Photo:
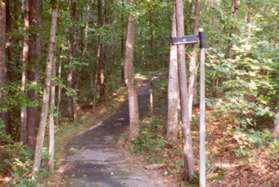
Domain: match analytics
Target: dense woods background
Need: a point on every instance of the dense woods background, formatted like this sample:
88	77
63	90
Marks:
82	64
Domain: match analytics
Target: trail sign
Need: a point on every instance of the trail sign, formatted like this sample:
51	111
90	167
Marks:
188	39
193	39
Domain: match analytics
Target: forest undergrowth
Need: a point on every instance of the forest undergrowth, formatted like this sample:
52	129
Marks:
235	156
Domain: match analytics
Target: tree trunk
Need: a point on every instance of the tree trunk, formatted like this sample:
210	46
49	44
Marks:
173	90
193	60
59	89
129	76
3	66
25	51
73	46
187	149
234	8
8	62
51	121
34	57
46	94
276	126
100	56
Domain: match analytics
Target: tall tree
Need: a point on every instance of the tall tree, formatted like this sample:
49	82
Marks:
51	121
25	51
32	75
187	148
73	49
46	95
100	54
3	66
234	8
173	90
129	79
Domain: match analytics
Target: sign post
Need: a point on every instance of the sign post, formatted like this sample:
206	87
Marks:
202	111
188	40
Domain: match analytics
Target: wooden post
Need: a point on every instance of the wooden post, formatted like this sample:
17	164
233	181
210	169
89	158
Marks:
202	111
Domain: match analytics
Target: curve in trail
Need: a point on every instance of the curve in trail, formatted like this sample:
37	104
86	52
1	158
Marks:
95	159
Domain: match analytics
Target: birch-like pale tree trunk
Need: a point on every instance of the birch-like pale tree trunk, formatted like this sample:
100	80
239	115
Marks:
46	94
51	121
183	88
59	91
129	79
173	90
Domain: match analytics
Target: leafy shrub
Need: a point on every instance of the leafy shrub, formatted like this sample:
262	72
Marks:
149	139
250	139
4	137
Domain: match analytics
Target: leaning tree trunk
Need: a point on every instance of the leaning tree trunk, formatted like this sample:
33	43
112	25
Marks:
173	90
187	148
193	60
46	94
129	78
3	67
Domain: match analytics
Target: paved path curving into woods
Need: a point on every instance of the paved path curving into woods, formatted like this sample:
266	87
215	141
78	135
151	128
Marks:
94	158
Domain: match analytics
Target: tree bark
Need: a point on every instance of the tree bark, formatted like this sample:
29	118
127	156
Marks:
73	46
51	121
173	90
25	51
34	58
129	76
3	66
234	8
187	149
9	76
46	94
276	126
100	57
59	88
193	60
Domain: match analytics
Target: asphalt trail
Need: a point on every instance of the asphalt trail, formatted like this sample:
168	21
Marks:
94	159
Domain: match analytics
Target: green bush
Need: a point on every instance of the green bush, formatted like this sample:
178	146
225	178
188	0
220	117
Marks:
150	138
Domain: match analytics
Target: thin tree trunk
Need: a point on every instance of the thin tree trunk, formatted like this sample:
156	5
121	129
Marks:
59	90
73	46
187	149
34	57
51	121
234	8
46	94
25	51
100	56
276	124
3	66
129	76
8	61
173	90
193	60
122	44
